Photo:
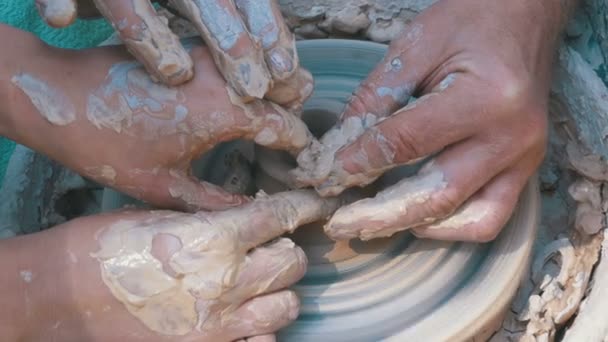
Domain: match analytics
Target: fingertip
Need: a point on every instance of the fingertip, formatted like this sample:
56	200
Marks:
281	129
269	313
148	37
57	13
292	92
175	71
281	63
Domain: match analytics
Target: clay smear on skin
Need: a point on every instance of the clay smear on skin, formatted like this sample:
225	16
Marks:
170	296
245	73
260	20
316	162
26	275
263	25
178	272
155	43
399	94
394	64
50	102
447	82
223	25
129	96
471	213
104	172
294	132
375	217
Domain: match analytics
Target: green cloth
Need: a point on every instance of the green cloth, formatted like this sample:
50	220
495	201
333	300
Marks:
23	14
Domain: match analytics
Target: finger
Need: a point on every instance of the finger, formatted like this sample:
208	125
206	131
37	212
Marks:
179	191
264	122
435	192
269	217
392	82
421	128
148	37
292	92
269	268
482	217
264	315
57	13
237	55
265	22
262	338
276	128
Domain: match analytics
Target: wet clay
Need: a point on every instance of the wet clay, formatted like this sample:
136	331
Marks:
293	131
470	213
240	62
317	161
162	292
153	43
129	97
105	173
178	272
57	13
292	85
367	218
50	102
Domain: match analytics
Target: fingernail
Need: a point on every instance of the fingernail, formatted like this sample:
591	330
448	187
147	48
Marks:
294	305
280	62
57	13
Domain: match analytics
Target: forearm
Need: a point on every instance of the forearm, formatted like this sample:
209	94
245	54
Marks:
36	283
52	286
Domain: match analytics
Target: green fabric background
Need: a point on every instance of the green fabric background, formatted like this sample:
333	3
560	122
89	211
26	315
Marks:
82	34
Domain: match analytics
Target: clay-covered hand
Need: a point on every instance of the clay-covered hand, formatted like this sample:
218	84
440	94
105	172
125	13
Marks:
113	124
250	42
481	74
162	275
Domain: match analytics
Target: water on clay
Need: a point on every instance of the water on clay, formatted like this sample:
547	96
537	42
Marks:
396	289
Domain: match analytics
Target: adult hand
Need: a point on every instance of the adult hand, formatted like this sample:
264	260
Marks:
161	275
250	43
481	72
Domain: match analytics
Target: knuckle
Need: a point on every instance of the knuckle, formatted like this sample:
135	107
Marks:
487	232
531	131
403	142
510	88
445	202
363	100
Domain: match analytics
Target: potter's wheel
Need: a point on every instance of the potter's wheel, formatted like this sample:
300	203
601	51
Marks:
397	289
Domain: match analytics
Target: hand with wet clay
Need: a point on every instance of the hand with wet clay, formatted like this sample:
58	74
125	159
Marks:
248	39
480	72
99	113
160	275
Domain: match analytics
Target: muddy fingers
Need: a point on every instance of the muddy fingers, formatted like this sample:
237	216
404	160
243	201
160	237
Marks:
149	39
237	55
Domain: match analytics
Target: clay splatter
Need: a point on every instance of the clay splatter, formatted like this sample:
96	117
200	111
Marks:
51	103
26	275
